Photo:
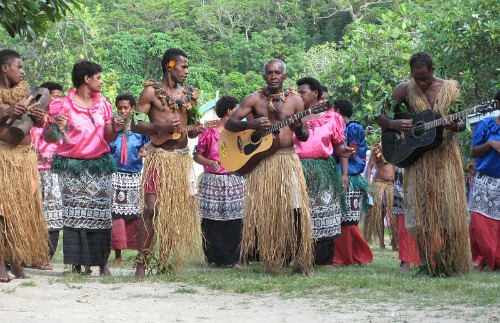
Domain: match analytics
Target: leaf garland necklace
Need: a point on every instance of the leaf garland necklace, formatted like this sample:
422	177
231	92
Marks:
14	95
189	93
281	96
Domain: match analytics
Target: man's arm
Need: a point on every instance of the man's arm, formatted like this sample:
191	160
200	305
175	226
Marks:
143	108
234	122
398	96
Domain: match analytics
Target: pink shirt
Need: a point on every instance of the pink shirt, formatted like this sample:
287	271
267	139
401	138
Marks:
85	134
208	147
324	133
44	150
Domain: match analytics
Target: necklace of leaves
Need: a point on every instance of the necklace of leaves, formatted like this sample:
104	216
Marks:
281	96
183	102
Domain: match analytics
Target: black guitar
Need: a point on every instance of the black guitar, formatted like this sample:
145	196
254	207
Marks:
404	148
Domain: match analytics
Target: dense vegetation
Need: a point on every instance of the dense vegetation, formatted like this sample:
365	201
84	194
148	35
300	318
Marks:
359	49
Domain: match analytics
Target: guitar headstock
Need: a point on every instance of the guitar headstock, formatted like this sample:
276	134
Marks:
487	107
211	124
320	107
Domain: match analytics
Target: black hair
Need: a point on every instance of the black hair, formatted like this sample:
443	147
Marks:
324	88
171	54
82	69
497	96
421	59
313	83
224	104
125	97
7	55
344	107
51	86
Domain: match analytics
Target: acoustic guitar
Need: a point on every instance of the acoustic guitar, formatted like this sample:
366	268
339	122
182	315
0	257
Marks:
160	139
241	151
405	148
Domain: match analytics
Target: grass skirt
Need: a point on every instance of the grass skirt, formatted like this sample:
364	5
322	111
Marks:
272	222
23	230
435	194
176	218
373	226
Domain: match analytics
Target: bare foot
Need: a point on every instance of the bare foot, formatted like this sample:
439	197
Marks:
140	270
481	266
301	270
88	271
18	271
404	266
362	264
117	260
44	266
237	266
104	270
76	269
4	275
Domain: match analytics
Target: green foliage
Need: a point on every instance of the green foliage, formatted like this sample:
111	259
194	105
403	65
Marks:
30	18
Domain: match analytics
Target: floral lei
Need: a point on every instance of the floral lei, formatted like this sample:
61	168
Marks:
281	96
190	93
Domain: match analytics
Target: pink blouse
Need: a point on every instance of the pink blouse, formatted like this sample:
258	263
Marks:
208	147
44	150
324	133
84	138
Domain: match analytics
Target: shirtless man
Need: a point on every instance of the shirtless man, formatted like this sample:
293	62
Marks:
436	207
383	186
276	217
21	239
170	209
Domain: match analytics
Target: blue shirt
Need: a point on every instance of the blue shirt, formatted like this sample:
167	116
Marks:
135	142
486	130
354	133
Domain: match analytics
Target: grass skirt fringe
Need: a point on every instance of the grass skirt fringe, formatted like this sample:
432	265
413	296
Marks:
373	225
176	218
23	231
438	195
271	223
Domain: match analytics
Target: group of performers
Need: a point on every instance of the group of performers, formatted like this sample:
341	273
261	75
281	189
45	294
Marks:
301	203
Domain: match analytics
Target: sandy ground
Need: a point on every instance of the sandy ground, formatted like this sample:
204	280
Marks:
42	299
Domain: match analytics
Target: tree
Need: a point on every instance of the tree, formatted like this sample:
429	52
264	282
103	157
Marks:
31	18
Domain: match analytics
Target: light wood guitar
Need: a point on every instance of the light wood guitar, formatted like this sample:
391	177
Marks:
241	151
160	139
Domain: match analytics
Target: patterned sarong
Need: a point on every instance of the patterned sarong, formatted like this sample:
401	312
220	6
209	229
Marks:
51	199
126	195
356	200
484	198
221	196
324	186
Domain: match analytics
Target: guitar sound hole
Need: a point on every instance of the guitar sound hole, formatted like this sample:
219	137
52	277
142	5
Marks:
255	137
418	130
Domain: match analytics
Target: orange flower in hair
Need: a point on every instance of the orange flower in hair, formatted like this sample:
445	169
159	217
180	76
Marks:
171	63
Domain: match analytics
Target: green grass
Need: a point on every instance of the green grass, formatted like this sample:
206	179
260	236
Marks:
380	280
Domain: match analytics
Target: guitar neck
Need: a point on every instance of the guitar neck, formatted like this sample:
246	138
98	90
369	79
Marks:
285	122
456	116
208	124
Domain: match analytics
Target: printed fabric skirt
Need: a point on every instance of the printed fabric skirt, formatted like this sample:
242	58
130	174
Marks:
87	217
126	209
222	198
51	199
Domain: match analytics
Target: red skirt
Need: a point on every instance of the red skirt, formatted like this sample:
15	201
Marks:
408	248
484	235
351	248
124	234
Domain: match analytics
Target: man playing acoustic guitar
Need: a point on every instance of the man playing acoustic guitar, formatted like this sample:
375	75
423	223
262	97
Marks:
434	185
170	209
276	218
